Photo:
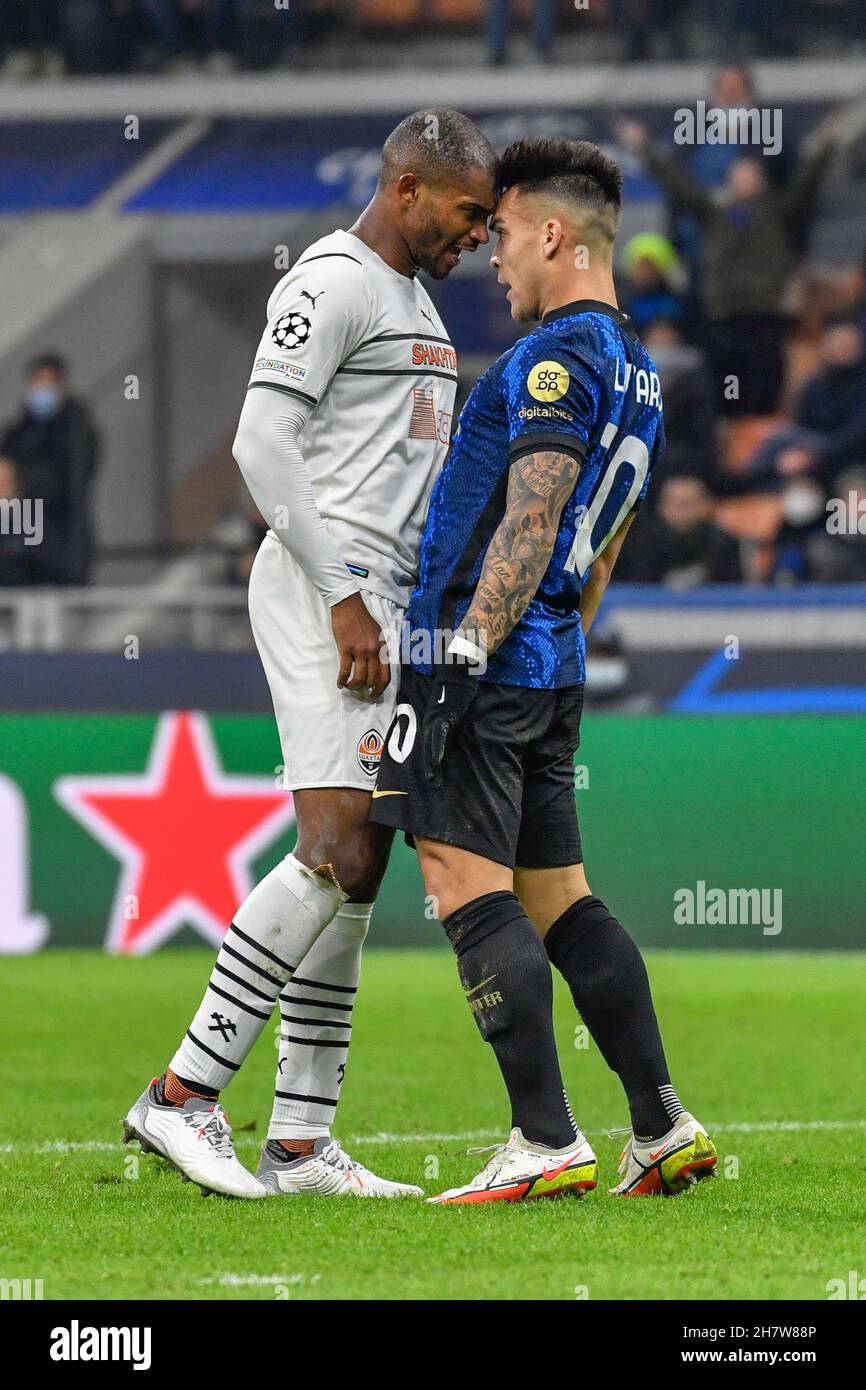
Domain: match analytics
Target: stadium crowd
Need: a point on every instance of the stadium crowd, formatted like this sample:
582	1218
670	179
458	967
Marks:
762	361
762	365
76	36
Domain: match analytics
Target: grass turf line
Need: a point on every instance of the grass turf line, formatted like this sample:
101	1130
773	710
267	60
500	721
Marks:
750	1039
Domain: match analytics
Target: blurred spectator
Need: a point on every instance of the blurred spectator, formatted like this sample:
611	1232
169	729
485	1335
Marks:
544	20
181	28
50	37
744	27
687	392
751	235
679	544
803	517
655	280
55	450
836	552
732	90
28	34
857	292
18	560
641	21
828	430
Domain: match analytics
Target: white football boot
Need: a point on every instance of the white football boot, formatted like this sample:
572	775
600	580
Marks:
667	1166
520	1171
329	1172
196	1139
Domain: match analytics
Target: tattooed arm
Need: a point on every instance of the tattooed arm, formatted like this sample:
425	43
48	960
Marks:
539	485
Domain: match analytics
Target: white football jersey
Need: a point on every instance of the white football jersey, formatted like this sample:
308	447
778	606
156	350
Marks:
366	347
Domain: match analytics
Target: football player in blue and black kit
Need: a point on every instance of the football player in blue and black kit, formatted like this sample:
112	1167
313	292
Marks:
551	459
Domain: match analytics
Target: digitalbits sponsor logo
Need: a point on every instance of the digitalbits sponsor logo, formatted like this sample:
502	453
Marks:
370	747
548	381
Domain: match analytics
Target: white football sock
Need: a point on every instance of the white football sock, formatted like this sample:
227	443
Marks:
273	930
316	1011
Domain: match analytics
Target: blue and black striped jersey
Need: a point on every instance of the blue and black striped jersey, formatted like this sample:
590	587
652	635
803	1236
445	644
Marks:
580	383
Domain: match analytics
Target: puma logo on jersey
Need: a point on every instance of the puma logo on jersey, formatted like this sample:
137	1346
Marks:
426	316
305	294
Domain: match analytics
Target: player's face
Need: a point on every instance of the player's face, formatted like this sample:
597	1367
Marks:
517	258
448	220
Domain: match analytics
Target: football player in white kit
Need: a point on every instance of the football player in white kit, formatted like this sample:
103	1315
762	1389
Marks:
345	427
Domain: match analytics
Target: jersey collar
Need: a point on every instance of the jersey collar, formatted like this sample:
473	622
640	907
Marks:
592	306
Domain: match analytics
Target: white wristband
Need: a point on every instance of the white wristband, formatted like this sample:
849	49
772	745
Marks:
461	646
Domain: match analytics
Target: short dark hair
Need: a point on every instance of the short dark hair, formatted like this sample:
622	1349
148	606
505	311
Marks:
575	171
436	144
47	361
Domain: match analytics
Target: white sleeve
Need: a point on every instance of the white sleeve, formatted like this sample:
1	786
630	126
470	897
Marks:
269	456
317	316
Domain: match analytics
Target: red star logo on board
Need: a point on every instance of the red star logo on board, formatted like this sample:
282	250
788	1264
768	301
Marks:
184	831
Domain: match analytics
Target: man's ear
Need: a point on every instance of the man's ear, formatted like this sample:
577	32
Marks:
408	189
553	235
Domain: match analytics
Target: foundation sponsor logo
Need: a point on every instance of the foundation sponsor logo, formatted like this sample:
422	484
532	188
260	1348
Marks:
286	369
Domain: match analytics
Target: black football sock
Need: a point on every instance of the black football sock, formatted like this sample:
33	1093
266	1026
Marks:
608	981
506	978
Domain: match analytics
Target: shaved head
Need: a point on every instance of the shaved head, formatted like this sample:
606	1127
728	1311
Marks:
438	146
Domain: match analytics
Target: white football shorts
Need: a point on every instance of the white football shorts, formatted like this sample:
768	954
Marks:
329	737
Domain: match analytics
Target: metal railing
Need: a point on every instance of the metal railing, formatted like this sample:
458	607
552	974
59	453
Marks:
198	617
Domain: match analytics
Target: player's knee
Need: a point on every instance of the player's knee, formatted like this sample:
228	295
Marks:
357	861
442	893
452	878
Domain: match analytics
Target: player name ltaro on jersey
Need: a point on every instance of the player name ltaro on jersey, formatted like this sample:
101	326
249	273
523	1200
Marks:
644	383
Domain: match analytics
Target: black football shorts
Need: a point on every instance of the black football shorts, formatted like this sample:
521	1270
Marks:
508	774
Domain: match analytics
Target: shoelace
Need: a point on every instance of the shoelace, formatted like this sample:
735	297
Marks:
626	1153
497	1157
335	1155
216	1130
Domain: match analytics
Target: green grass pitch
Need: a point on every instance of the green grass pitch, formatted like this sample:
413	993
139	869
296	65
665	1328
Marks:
752	1041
